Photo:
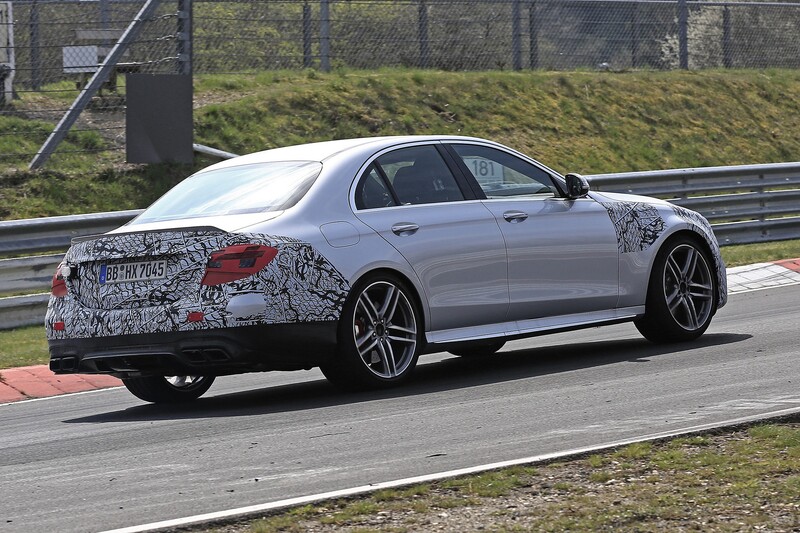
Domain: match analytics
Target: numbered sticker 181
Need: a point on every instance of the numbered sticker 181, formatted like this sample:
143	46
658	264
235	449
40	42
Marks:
485	170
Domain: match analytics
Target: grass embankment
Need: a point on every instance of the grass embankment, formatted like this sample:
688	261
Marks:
746	480
588	122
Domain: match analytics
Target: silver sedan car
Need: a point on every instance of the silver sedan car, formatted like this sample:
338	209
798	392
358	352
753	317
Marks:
359	255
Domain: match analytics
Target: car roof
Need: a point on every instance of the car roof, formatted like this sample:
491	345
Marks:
320	151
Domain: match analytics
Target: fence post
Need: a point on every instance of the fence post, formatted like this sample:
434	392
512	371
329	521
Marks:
424	43
727	53
634	43
516	37
683	34
185	37
306	35
36	67
533	31
86	94
324	36
105	19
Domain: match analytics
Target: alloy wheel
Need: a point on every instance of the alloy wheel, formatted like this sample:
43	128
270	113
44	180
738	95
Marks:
688	287
385	329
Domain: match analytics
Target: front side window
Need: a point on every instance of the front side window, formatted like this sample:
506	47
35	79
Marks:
254	188
501	175
419	175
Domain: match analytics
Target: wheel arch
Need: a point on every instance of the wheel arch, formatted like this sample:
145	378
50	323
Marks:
410	285
693	234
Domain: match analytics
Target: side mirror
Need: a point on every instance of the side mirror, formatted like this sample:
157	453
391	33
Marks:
577	186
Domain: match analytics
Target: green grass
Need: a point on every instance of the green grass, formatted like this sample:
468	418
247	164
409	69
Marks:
707	482
747	254
587	122
743	480
23	347
579	121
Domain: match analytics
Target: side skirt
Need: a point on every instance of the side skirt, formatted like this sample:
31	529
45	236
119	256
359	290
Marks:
539	326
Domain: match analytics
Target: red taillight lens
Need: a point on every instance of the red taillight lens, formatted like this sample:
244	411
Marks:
59	286
237	262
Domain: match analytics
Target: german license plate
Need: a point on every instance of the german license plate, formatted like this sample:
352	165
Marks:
125	272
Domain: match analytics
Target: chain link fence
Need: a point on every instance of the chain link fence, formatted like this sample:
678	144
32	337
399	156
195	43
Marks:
59	44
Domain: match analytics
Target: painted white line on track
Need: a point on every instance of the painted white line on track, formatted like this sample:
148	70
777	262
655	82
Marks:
777	286
56	396
252	510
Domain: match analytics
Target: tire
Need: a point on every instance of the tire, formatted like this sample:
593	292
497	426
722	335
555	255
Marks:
168	389
478	350
380	336
681	295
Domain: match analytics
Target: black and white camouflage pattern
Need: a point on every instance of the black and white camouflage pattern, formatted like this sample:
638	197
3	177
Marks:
638	225
700	225
298	285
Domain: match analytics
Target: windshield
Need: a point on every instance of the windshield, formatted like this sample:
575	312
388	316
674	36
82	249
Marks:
254	188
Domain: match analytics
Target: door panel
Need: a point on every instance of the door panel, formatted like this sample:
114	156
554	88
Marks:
457	251
562	256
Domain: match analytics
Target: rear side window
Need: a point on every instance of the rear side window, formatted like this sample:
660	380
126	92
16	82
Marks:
408	176
254	188
373	191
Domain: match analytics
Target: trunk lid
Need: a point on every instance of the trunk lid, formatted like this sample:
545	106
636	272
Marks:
144	269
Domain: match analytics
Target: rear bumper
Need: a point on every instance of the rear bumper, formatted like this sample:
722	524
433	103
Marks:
205	352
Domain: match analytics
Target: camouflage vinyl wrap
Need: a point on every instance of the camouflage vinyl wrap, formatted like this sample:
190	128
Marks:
638	225
700	225
298	285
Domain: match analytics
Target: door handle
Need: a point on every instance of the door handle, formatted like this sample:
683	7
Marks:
515	216
404	229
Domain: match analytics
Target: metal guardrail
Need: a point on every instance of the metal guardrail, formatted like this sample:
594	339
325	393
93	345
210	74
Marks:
745	204
18	311
35	273
52	234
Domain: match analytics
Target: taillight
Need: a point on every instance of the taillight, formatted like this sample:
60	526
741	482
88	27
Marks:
59	286
237	262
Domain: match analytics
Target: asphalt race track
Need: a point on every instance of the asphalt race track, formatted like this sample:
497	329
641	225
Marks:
105	460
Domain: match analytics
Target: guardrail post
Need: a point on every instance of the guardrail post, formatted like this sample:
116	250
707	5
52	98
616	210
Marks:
685	182
761	217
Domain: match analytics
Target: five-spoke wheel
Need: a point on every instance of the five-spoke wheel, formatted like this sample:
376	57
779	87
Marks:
681	298
379	335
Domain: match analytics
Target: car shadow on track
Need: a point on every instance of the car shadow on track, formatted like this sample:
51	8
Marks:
448	374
